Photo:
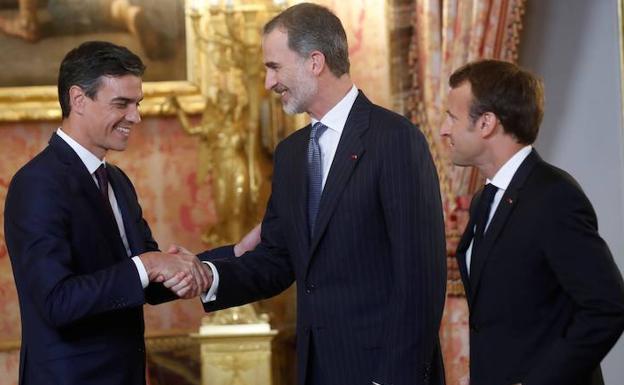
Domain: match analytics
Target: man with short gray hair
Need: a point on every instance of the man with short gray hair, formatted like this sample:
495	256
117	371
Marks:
355	217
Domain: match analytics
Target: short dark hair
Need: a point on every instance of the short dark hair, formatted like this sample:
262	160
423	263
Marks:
513	94
311	27
85	65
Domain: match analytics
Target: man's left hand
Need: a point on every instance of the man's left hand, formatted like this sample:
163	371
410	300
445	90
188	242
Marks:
249	241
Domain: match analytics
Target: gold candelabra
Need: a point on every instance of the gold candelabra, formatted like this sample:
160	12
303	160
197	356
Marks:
239	123
237	133
240	126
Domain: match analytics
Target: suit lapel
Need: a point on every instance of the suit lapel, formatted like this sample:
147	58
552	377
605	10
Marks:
122	195
300	186
463	245
297	197
90	190
348	153
506	206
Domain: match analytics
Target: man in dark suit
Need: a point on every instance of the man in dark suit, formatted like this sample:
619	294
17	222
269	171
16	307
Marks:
354	218
546	299
83	257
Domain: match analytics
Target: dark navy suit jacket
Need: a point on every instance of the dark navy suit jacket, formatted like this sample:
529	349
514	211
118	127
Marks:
80	295
371	282
546	299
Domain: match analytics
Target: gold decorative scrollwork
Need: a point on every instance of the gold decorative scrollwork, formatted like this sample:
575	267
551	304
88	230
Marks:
240	124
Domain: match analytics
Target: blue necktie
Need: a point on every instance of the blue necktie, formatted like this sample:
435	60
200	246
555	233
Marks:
315	174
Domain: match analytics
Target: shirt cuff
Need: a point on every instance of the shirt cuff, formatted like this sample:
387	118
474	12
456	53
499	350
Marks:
211	295
142	272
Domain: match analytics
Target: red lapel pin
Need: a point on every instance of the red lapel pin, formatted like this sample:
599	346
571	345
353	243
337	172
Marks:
354	156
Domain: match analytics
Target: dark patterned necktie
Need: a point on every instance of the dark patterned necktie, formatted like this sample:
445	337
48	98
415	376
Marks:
483	213
102	178
315	174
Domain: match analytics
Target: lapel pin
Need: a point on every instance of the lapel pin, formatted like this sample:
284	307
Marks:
510	201
354	156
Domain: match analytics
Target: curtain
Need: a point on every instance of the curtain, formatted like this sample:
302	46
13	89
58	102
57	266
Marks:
447	34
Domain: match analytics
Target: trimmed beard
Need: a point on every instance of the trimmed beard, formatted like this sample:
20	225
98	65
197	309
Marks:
301	95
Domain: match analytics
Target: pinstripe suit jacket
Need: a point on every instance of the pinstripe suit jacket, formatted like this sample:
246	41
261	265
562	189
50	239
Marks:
371	282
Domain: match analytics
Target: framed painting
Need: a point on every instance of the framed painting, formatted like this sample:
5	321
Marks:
36	34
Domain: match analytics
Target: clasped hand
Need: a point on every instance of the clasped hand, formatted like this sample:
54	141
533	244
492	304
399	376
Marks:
183	273
179	270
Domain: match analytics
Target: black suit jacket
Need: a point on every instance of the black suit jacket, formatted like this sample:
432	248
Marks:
371	282
80	295
546	299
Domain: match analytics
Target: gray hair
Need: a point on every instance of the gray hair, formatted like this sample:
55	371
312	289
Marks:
311	27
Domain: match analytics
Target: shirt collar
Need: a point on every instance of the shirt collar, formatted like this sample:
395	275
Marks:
336	118
90	161
502	178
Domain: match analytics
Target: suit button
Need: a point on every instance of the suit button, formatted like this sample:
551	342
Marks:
308	291
309	288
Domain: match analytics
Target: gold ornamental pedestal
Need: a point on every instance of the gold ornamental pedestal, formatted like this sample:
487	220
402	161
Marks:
236	354
240	126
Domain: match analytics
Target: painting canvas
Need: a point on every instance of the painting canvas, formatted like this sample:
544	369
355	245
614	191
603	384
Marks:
36	34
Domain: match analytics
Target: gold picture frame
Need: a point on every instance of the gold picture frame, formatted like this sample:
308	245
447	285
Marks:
40	102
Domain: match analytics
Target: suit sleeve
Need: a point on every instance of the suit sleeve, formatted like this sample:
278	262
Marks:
260	273
217	253
37	224
411	202
155	293
584	267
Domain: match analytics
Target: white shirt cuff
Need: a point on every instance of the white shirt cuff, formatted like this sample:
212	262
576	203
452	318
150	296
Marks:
211	295
142	272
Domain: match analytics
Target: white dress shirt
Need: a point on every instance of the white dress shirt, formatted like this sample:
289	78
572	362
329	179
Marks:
501	179
335	120
92	163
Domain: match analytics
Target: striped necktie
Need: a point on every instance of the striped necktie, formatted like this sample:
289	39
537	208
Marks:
315	174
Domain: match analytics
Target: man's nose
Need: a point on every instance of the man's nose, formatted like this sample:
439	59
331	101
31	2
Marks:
133	115
269	79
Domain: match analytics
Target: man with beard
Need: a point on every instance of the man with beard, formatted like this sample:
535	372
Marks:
546	299
83	257
354	217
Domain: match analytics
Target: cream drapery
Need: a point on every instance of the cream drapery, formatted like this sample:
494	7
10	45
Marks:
446	35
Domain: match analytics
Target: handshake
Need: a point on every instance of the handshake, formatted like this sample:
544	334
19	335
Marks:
179	270
182	272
